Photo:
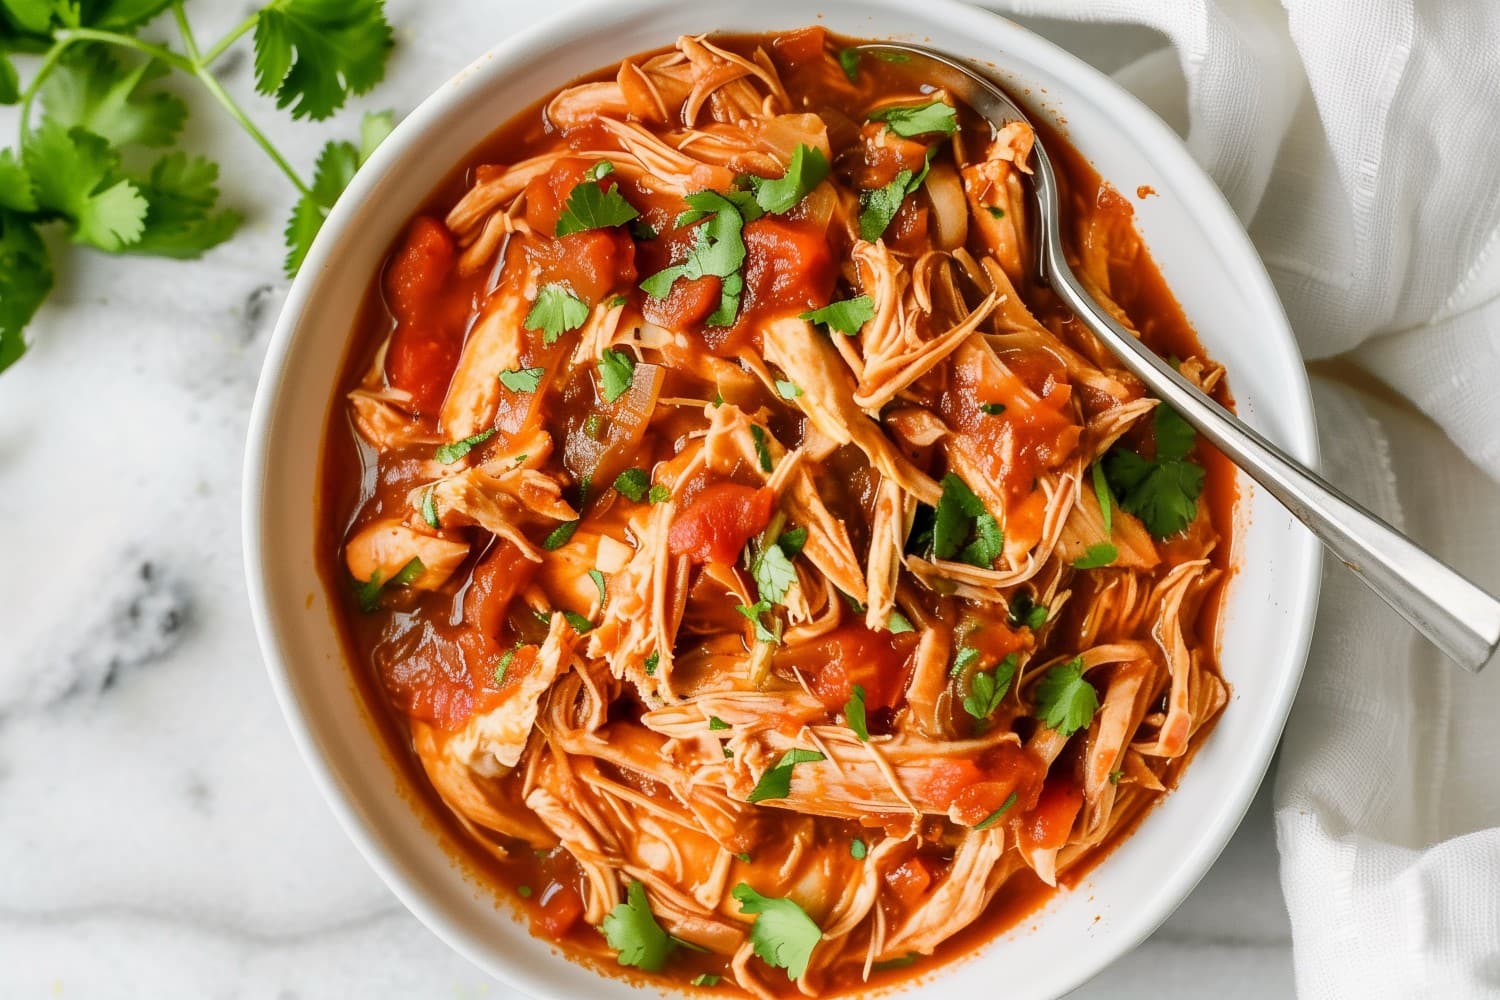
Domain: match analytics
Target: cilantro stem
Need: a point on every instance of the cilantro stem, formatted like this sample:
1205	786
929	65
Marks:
174	59
211	83
186	31
48	61
223	44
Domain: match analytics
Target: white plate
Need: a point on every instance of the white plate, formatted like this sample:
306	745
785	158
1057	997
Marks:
1208	262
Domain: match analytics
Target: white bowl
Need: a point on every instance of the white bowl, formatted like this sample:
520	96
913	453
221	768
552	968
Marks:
1208	262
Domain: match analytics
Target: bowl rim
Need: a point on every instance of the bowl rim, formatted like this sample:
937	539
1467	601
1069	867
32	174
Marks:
1186	177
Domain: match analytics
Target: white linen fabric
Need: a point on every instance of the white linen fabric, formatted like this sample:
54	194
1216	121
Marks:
1355	138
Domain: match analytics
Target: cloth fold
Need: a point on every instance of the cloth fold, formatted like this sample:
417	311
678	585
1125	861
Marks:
1355	140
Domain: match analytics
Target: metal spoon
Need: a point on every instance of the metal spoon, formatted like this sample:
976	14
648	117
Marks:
1458	617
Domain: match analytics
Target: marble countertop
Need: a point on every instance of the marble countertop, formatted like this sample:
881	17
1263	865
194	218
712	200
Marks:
160	837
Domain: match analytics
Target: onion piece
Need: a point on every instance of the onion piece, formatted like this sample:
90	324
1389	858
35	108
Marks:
950	212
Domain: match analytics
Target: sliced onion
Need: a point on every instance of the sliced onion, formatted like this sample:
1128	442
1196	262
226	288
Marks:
950	212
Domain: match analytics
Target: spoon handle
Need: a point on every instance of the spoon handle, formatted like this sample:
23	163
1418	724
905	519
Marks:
1457	616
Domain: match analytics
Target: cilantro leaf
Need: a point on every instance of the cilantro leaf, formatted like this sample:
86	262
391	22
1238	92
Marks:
25	280
180	194
599	171
1065	700
75	175
429	509
762	448
1025	611
89	89
17	193
752	613
849	63
718	249
854	711
522	379
896	623
792	540
773	573
716	724
598	579
705	979
788	389
336	167
651	663
368	592
10	82
455	450
961	660
580	624
963	528
994	817
1102	494
659	494
312	54
631	929
555	312
988	688
776	782
590	206
879	207
1163	492
617	372
918	119
560	536
858	850
806	171
1097	555
783	935
503	664
847	317
992	409
632	484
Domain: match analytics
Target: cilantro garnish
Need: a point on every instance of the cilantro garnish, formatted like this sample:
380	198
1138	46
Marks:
857	849
560	536
555	312
762	449
659	494
1025	611
918	119
1105	498
616	372
992	409
580	624
590	206
854	712
716	724
988	688
961	660
367	592
753	613
599	171
909	959
773	573
1163	491
788	389
897	623
632	484
776	782
598	579
792	540
652	662
963	528
335	168
994	817
455	450
783	935
849	63
1065	700
631	929
881	205
806	171
1097	555
429	509
996	211
522	379
847	317
705	979
503	664
718	249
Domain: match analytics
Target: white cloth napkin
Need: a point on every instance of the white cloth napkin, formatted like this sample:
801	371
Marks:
1356	139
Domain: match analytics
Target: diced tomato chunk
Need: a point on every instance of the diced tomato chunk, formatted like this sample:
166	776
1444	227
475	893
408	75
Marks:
852	654
690	302
788	266
498	578
418	270
909	881
716	524
559	909
801	45
425	673
428	339
945	779
592	264
1047	825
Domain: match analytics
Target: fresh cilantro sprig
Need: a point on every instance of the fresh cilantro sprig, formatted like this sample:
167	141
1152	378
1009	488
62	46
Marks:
1162	491
879	207
783	935
632	930
718	249
1065	700
776	782
913	120
86	165
988	687
847	317
806	171
963	528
